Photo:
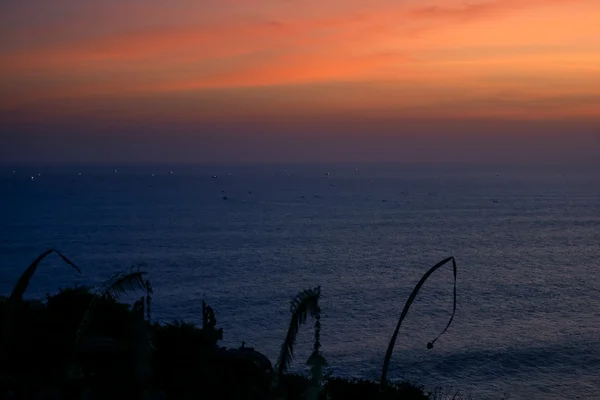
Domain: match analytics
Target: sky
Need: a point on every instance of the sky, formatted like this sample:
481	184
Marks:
299	81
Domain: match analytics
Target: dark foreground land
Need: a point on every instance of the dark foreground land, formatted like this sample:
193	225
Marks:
86	344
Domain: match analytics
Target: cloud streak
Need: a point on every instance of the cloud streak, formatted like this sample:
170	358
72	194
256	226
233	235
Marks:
380	48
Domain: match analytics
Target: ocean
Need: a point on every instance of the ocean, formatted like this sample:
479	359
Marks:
248	238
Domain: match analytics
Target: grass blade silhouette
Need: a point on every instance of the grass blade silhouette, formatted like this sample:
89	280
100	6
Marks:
23	283
411	298
19	290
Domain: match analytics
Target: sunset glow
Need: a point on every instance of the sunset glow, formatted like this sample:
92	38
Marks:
197	60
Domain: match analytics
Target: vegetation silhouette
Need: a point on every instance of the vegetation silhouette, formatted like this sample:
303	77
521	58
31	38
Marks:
305	303
85	343
411	298
16	296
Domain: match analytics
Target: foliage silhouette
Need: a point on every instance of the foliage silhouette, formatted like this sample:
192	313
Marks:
305	303
118	285
16	296
83	342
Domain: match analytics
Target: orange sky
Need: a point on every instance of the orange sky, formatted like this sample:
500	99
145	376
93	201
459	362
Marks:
192	60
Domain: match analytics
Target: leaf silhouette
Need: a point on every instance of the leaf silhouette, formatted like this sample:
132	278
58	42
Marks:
125	283
411	298
23	282
120	284
19	290
305	303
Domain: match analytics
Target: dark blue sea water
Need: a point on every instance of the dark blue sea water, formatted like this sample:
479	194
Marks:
527	243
